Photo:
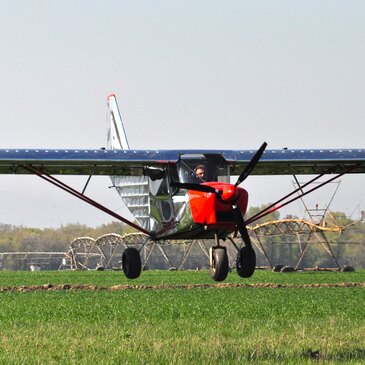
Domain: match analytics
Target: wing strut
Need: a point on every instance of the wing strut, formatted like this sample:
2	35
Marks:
79	195
274	207
87	183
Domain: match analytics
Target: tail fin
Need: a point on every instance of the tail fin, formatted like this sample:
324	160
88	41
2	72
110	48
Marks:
132	189
117	138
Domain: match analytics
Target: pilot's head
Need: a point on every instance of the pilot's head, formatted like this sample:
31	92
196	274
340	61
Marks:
200	172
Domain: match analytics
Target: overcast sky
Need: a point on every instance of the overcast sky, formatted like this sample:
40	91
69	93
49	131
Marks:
187	74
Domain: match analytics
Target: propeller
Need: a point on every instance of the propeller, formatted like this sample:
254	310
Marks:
241	226
251	165
196	187
237	215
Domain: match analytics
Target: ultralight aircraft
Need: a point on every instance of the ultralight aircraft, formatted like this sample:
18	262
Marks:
183	194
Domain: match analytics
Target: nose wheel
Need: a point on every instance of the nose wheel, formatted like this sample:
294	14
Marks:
219	266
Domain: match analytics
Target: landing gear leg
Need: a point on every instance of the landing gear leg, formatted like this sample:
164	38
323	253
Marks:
219	266
131	263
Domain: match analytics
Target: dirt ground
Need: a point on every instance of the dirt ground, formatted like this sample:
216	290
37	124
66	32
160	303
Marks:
73	287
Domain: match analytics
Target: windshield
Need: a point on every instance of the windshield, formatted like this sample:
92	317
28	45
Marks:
200	171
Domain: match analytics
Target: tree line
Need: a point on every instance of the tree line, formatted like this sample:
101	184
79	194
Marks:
347	246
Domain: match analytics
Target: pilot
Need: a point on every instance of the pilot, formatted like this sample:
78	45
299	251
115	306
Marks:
200	173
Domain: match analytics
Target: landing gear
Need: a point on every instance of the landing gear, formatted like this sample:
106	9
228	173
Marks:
219	264
131	263
246	262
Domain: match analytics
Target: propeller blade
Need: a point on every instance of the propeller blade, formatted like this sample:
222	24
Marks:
251	165
196	187
241	225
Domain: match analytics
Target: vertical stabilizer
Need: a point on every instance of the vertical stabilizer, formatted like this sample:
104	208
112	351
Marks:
132	189
117	138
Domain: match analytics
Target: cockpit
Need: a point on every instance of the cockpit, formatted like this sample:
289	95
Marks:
199	169
196	169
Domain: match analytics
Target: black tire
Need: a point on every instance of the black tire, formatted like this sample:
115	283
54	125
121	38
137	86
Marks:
220	267
131	263
246	262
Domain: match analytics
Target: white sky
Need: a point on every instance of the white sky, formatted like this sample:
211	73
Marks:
202	74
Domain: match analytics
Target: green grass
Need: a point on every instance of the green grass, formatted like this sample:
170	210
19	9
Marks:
182	326
109	278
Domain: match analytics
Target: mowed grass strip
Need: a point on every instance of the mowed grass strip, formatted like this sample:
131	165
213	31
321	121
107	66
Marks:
182	326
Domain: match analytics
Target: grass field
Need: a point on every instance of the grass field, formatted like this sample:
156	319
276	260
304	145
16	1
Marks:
220	325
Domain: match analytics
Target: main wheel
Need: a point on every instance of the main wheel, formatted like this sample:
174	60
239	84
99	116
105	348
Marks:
219	269
131	263
246	262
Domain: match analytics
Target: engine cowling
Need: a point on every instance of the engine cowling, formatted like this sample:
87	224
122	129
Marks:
211	208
